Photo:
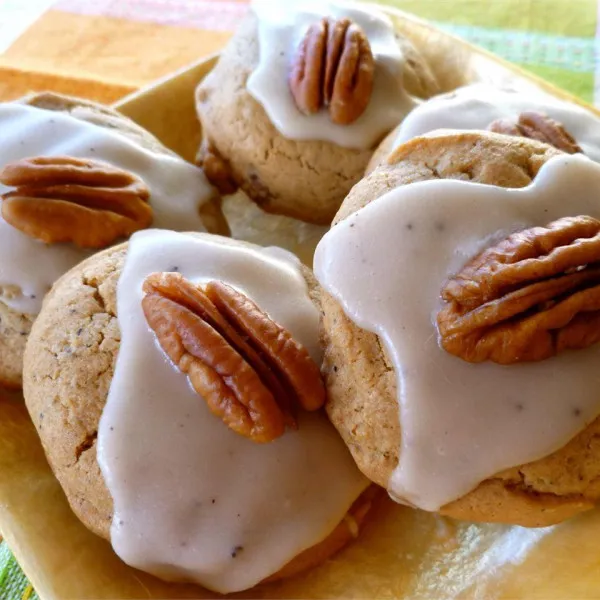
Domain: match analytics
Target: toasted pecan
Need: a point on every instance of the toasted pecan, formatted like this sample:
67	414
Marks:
333	67
538	126
533	295
250	371
65	199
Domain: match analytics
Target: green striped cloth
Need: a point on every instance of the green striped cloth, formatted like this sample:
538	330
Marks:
13	584
556	39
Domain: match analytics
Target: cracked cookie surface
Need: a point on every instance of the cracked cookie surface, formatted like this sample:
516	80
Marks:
361	380
69	367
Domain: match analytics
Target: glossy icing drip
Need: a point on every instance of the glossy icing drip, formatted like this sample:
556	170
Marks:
476	106
281	27
28	267
192	499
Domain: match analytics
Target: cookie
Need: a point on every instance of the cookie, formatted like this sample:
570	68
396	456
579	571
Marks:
32	256
256	138
77	366
14	329
532	113
426	185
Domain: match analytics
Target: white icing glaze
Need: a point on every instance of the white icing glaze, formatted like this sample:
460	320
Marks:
476	106
281	27
177	190
165	457
461	422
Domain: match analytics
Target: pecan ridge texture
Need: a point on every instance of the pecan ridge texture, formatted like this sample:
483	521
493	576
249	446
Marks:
333	67
533	295
249	370
65	199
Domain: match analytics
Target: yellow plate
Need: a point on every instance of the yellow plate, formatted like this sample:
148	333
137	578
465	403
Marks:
403	553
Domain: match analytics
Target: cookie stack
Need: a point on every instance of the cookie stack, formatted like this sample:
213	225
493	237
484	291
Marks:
225	416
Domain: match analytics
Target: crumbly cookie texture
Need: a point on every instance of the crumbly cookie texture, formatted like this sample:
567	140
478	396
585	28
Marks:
382	151
361	380
15	326
418	77
69	365
303	179
14	329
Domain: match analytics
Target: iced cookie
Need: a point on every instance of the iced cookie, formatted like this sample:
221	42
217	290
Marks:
462	315
300	98
189	363
76	177
532	114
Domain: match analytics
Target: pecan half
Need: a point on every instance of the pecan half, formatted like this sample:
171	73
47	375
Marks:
65	199
532	296
540	127
333	67
249	370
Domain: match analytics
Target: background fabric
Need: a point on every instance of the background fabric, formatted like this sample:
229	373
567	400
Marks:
13	584
104	49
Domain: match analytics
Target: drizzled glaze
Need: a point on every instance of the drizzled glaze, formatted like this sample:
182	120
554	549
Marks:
476	106
28	267
461	422
281	27
192	499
